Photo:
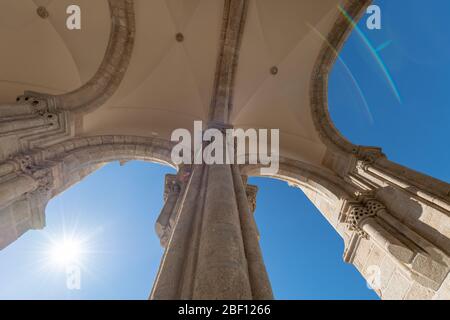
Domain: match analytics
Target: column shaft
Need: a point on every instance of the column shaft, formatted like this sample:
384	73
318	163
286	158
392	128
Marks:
386	241
15	188
213	252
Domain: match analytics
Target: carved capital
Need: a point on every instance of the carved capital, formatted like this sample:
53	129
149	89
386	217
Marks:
362	165
367	207
171	186
251	192
184	173
374	206
356	215
44	178
26	165
368	155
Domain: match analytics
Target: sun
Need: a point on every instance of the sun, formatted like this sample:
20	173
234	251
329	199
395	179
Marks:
66	252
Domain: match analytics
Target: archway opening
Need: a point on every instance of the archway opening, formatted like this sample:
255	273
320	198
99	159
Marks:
388	88
302	251
111	216
113	212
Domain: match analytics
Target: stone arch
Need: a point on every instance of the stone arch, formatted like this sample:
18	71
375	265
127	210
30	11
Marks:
106	80
389	244
74	163
328	133
40	120
28	183
341	152
416	206
328	192
111	71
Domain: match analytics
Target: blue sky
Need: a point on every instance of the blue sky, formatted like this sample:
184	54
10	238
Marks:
115	208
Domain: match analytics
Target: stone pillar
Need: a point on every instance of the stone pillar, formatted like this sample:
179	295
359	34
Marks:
213	252
365	222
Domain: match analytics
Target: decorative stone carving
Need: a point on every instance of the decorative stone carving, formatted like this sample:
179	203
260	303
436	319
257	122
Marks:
45	180
171	186
373	206
25	163
357	214
368	207
368	154
27	166
166	220
251	192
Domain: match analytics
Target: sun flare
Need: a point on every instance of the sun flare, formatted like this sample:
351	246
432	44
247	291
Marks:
65	252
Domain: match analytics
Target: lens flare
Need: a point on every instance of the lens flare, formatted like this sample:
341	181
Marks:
374	53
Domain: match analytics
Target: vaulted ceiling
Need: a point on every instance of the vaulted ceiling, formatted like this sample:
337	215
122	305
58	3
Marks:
42	54
169	84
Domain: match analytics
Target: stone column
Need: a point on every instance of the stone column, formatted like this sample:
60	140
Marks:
25	214
213	252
